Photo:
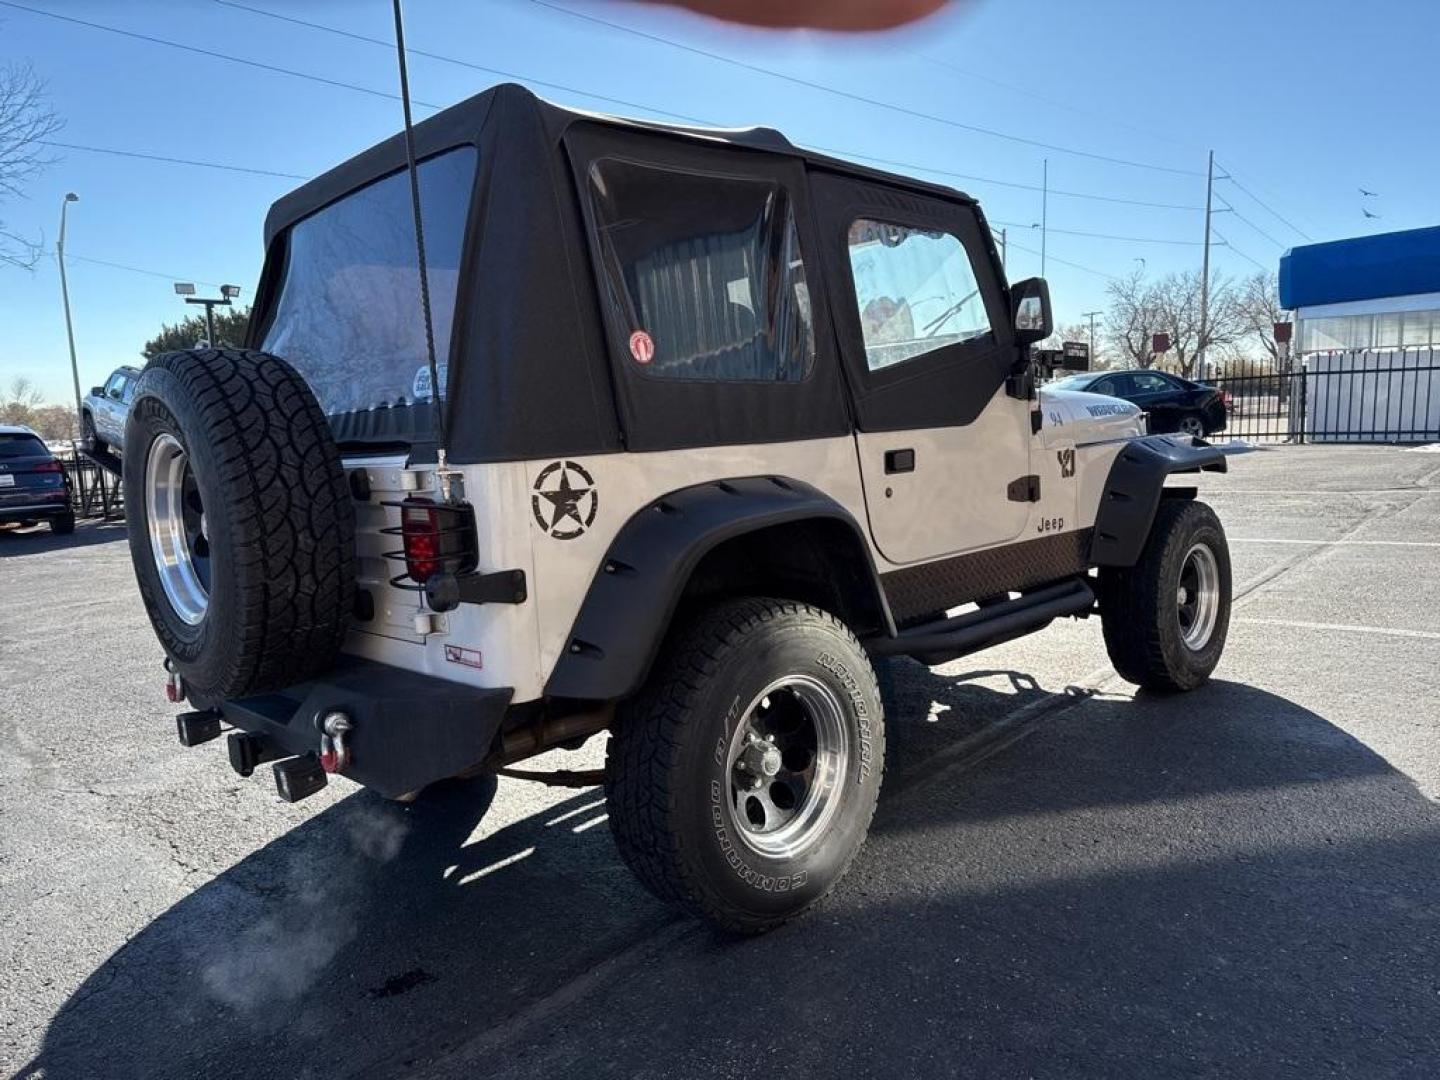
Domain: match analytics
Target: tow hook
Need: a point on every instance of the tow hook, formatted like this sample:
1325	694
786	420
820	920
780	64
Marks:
174	684
334	750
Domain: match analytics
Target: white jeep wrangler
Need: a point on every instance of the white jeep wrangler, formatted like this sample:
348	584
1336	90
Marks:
720	423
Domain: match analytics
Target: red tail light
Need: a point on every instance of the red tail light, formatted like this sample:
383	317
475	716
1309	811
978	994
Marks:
49	466
420	530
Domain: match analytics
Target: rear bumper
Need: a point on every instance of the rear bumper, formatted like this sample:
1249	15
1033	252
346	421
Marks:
408	730
40	509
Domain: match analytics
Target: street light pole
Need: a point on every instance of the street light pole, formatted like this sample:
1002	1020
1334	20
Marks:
65	298
227	293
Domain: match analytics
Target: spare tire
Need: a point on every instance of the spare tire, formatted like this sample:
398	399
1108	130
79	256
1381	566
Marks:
242	529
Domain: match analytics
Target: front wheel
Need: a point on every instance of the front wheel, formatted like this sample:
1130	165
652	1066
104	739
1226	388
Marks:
742	780
1165	618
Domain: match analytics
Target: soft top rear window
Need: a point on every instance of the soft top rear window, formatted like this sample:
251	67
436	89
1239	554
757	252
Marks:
19	444
348	317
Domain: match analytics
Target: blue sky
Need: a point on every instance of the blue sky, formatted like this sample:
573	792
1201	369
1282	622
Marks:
1304	102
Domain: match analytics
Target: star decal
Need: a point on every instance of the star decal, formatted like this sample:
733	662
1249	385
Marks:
565	500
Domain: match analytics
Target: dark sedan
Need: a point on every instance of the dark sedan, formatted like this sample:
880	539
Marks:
33	484
1172	403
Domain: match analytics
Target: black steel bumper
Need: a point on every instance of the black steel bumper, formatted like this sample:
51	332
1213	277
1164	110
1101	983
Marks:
407	729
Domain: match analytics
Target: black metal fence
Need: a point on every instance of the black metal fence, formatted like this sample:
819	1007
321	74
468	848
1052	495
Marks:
1390	395
94	490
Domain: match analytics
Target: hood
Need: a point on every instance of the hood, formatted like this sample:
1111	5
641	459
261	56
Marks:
1076	418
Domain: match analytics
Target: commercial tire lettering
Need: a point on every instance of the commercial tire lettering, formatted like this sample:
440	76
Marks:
862	709
771	883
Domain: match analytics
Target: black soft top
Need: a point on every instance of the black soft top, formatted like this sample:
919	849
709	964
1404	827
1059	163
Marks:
529	372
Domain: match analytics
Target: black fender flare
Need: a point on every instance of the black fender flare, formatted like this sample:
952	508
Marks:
1134	488
638	585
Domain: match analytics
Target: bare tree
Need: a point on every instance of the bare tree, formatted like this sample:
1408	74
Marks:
1171	305
1259	306
1132	318
26	121
19	404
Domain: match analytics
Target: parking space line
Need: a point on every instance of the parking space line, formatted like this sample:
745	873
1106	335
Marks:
1333	543
1299	624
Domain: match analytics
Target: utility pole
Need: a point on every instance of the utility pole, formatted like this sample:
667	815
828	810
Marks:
1004	250
65	297
1044	210
1205	271
1091	316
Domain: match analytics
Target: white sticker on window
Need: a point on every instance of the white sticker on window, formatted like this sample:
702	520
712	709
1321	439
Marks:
420	389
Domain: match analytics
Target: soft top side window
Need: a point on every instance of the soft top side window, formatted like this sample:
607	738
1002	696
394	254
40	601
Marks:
703	272
916	291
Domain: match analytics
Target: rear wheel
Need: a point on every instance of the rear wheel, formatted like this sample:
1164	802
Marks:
63	526
1192	425
1165	619
741	782
242	530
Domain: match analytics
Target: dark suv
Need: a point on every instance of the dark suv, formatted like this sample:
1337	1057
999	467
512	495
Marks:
1172	403
33	484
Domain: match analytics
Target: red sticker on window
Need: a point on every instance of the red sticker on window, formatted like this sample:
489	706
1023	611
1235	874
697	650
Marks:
642	347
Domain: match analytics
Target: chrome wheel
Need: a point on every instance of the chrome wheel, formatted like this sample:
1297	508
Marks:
1197	597
786	761
1192	425
179	541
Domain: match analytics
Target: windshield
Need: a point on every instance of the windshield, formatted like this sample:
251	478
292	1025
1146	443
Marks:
349	316
20	445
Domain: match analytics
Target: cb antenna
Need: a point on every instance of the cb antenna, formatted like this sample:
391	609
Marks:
442	469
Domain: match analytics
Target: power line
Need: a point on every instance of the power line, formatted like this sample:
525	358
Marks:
1237	251
991	180
211	53
500	72
1065	262
904	110
1230	176
70	256
172	160
1241	217
1104	236
522	77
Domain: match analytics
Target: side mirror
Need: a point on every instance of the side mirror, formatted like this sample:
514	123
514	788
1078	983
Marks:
97	391
1033	321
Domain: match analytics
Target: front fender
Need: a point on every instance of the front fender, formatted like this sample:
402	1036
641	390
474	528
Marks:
639	583
1134	488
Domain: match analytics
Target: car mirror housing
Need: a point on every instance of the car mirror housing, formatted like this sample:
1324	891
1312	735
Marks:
97	391
1030	306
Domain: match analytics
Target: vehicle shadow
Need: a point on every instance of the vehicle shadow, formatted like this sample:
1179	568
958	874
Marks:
1138	887
38	539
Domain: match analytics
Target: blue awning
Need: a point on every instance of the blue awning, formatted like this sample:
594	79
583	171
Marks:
1361	268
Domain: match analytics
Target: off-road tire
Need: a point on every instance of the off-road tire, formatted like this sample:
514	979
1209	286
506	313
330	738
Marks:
280	521
668	780
1138	605
63	526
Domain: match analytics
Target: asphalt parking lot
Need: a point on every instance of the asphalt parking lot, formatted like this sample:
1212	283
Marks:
1064	879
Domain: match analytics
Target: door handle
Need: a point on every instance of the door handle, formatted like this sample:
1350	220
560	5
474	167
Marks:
898	461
